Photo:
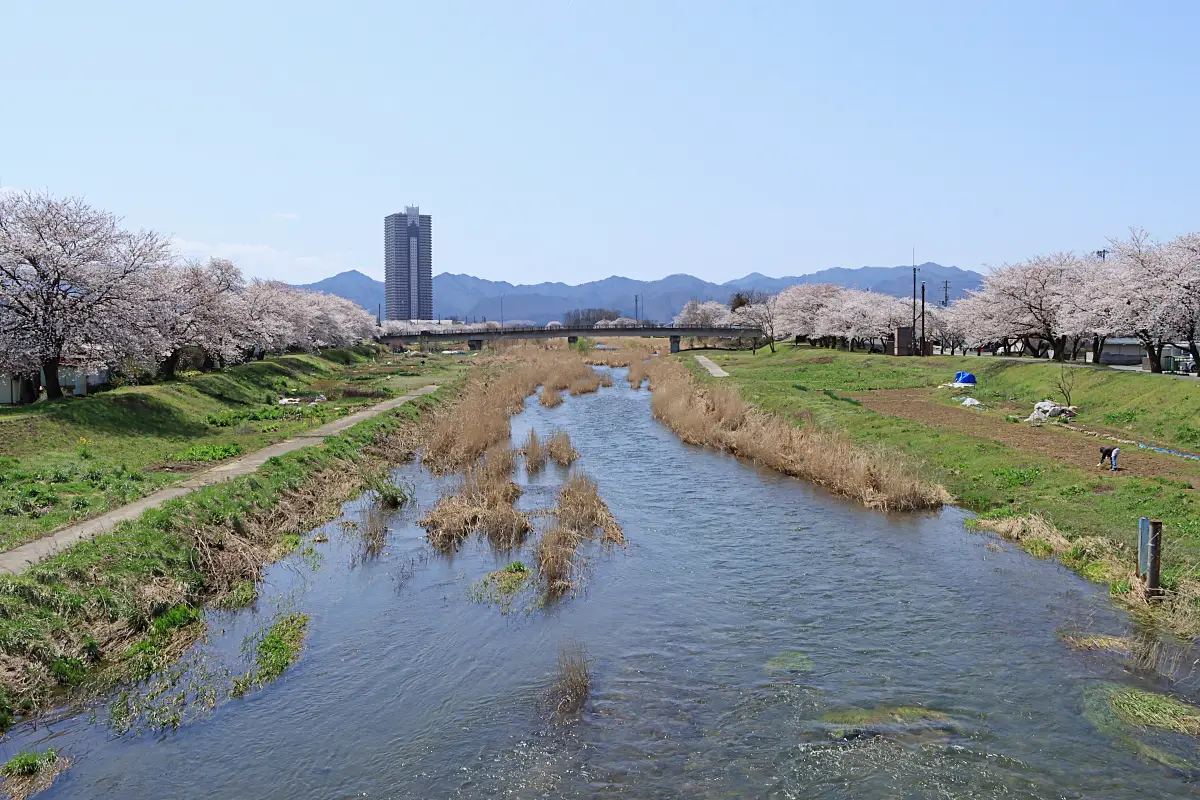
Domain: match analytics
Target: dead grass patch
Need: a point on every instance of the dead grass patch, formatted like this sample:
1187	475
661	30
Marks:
559	448
637	374
535	453
718	417
22	786
555	558
550	398
484	503
573	683
581	508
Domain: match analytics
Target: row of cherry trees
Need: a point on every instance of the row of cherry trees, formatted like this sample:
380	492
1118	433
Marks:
76	287
1061	303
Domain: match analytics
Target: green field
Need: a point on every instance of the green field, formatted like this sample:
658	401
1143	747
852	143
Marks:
68	459
987	476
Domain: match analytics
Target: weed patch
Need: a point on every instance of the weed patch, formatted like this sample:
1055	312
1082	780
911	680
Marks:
275	650
573	684
208	452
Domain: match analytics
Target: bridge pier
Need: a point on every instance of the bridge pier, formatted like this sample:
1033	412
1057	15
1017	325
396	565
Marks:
474	344
674	344
572	339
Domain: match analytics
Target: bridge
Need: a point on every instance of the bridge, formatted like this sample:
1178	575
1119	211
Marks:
475	337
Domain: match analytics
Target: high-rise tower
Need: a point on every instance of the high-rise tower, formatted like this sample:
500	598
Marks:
408	264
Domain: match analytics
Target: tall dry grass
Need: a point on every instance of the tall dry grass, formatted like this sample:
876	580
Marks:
483	502
573	683
459	433
555	556
559	448
581	509
550	398
585	384
535	453
718	417
637	375
579	513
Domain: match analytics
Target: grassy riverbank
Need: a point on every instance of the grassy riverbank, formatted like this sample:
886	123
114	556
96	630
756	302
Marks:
124	604
73	458
989	462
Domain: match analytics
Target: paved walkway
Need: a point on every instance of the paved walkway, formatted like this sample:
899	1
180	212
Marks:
19	558
712	368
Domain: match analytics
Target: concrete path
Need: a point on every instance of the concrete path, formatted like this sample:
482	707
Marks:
18	559
712	368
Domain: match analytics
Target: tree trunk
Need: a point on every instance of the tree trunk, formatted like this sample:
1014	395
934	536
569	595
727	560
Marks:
1195	354
208	365
771	341
171	365
53	388
1060	348
1154	350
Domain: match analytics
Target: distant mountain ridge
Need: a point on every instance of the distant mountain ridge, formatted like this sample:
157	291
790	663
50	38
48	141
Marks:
468	297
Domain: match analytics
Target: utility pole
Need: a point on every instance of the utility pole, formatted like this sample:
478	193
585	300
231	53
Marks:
946	293
501	311
1103	254
635	307
913	331
922	318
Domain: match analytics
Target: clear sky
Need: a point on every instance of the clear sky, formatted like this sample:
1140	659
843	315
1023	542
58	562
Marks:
574	140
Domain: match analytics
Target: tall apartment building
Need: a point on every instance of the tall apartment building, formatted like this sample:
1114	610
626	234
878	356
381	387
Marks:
408	264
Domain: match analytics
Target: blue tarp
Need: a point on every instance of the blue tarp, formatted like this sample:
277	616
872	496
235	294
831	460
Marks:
964	377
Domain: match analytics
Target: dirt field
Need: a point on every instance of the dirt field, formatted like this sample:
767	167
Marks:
1069	447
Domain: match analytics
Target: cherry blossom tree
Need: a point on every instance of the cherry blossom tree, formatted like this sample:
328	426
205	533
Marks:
1029	301
761	313
69	277
695	314
800	305
1148	278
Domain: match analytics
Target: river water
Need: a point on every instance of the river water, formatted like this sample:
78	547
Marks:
744	608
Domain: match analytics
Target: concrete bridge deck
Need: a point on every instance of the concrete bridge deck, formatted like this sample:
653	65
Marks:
475	337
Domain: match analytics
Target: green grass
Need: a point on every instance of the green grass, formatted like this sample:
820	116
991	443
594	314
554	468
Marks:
502	586
47	613
984	475
209	452
28	762
70	459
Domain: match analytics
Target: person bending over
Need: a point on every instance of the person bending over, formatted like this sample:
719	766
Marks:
1109	453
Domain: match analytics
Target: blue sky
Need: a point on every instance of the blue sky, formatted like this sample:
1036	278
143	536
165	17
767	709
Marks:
574	140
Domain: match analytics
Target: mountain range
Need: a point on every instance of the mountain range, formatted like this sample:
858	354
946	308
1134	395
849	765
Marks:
466	297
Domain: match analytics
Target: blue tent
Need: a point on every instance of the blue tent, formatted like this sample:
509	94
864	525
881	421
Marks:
964	377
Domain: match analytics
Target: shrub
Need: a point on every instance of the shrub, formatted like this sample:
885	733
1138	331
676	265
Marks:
208	452
28	762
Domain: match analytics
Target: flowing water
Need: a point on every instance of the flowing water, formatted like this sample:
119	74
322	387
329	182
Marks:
745	607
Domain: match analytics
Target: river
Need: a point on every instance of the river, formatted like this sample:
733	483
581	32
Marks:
745	607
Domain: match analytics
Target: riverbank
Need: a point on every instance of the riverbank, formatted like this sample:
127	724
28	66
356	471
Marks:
70	460
123	605
1007	470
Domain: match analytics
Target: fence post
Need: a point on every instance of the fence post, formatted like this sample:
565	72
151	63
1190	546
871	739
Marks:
1153	588
1143	552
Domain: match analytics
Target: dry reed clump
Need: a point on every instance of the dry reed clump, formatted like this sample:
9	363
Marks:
718	417
535	453
581	508
585	384
626	353
550	398
573	683
558	446
457	434
555	556
637	374
483	502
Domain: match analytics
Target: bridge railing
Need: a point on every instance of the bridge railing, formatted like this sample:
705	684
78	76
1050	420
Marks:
564	330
